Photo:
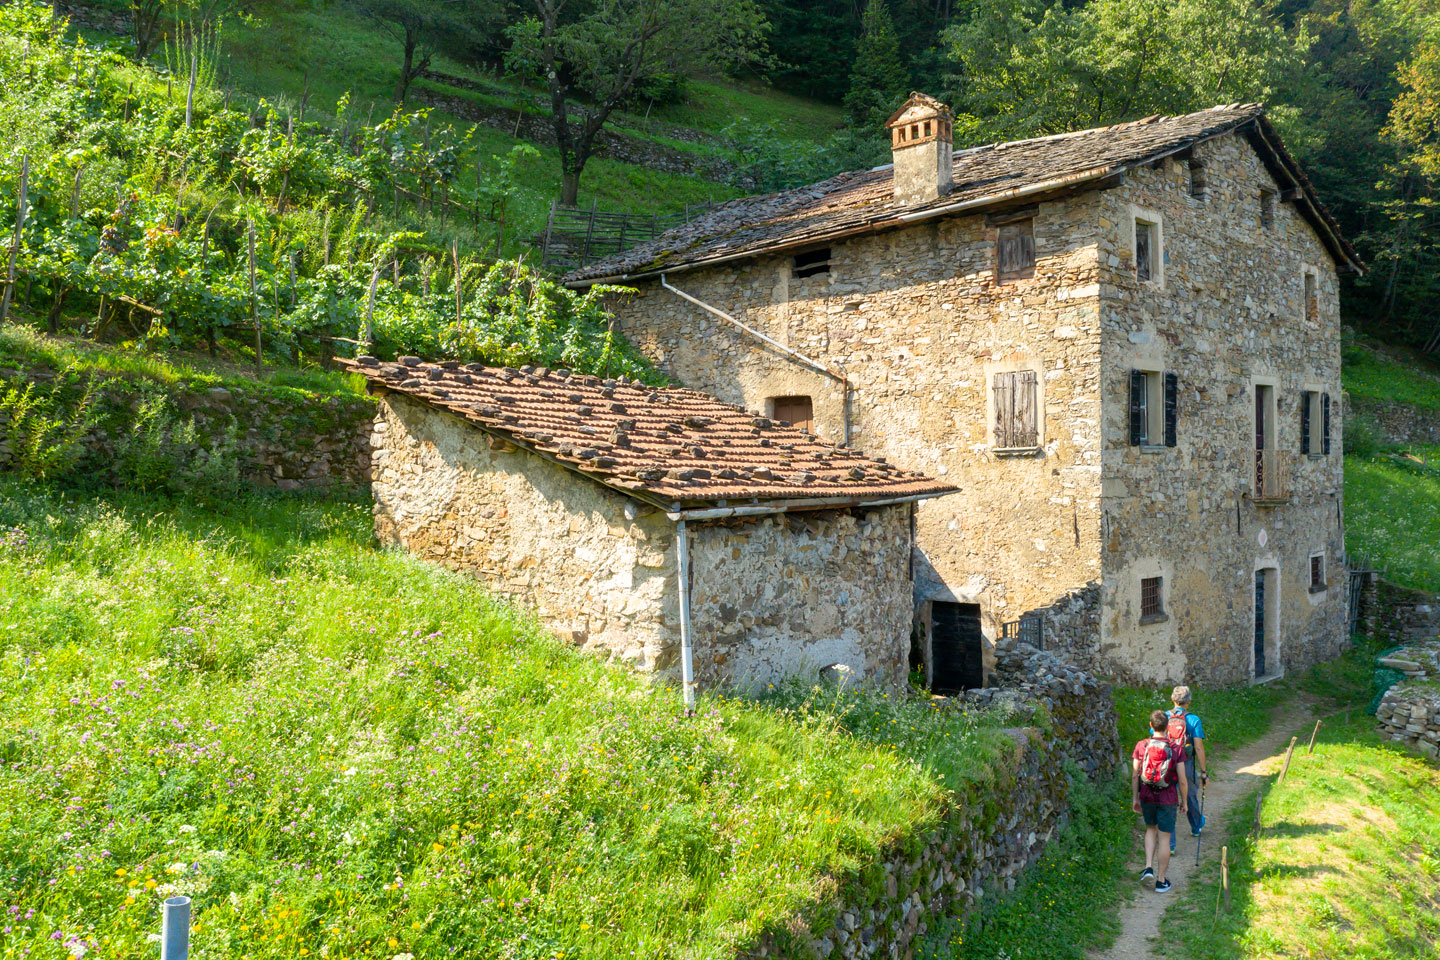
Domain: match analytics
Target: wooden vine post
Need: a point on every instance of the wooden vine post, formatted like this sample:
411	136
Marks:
15	244
1288	753
1259	801
459	293
370	306
1225	876
254	312
194	70
1313	734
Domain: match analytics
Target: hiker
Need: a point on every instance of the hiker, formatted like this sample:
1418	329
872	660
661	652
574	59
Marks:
1186	730
1157	788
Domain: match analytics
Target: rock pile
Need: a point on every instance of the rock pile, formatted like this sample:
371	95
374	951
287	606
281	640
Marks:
1080	705
1410	713
1420	661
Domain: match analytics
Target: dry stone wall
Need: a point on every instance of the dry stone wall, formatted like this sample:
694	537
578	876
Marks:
1398	422
1224	311
978	851
1409	712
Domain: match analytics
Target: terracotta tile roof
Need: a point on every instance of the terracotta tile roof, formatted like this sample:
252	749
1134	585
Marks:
863	201
658	443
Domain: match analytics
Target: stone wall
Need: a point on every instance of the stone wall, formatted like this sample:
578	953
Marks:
791	595
288	439
771	597
1225	313
1398	422
979	850
1401	614
1410	713
919	324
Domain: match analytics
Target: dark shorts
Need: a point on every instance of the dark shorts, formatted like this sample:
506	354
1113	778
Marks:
1160	815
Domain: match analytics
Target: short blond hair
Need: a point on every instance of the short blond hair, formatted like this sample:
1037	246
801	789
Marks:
1180	695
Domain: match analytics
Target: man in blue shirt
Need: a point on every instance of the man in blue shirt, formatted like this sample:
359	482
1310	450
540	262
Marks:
1194	758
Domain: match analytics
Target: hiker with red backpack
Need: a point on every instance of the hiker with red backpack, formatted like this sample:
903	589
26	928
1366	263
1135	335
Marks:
1186	730
1158	788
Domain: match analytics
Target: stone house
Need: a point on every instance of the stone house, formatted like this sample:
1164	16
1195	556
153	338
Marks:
660	526
1122	344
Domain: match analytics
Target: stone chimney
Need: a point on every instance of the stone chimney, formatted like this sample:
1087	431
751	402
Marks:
920	141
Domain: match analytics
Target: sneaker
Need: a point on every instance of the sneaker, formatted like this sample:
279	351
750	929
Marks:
1163	886
1194	833
1147	874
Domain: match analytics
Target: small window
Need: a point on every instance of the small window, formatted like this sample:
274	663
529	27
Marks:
1267	209
1152	599
1154	409
811	262
797	411
1016	411
1317	572
1315	423
1015	250
1312	296
1146	265
1197	179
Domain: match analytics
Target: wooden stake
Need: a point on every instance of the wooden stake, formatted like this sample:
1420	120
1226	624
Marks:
369	337
1225	876
15	244
194	70
254	313
1286	768
75	192
1259	800
459	293
1313	734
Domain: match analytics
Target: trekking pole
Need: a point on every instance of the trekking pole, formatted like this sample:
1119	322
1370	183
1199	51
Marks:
1201	838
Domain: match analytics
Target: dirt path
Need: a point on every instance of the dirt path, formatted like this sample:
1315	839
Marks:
1235	777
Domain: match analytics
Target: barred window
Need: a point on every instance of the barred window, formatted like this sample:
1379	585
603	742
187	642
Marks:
1151	597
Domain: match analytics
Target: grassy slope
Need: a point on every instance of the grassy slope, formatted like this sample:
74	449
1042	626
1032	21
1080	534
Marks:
1392	493
1348	865
351	753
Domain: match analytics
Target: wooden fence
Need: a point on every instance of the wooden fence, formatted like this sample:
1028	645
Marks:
575	237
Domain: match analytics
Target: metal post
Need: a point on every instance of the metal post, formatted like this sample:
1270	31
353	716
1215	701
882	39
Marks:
175	929
687	653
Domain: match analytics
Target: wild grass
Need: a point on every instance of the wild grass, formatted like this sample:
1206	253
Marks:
1233	716
1390	375
1392	506
344	752
1347	865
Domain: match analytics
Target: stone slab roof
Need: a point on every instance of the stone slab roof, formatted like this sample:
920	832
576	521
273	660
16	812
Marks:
662	444
863	201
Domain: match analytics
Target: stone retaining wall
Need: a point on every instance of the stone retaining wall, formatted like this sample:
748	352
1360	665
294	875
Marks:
1398	422
288	439
980	849
1410	713
1388	610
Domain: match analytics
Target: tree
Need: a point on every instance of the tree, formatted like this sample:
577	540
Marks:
145	19
879	79
603	50
422	28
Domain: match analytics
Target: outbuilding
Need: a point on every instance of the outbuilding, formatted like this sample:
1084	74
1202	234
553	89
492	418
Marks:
659	526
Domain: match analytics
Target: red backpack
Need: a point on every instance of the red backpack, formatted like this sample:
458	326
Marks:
1177	731
1157	763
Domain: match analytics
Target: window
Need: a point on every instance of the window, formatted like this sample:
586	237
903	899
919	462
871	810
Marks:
1317	572
1016	410
1152	600
1312	296
1267	208
1197	179
1146	240
797	411
1015	249
1315	423
811	262
1154	409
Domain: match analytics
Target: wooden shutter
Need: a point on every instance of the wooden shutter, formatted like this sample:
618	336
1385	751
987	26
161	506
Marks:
1172	407
797	411
1325	418
1137	412
1004	408
1025	433
1015	244
1305	421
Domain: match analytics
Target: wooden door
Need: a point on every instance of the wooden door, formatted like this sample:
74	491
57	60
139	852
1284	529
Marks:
957	647
798	411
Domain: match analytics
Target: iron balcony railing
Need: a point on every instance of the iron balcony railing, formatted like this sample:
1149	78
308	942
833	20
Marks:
1272	476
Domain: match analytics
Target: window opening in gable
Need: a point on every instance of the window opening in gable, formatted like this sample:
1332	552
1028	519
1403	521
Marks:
1317	572
1015	249
1267	208
1197	179
1152	600
798	411
1017	424
811	262
1145	252
1312	296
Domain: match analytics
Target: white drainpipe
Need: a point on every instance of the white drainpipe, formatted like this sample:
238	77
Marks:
687	646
